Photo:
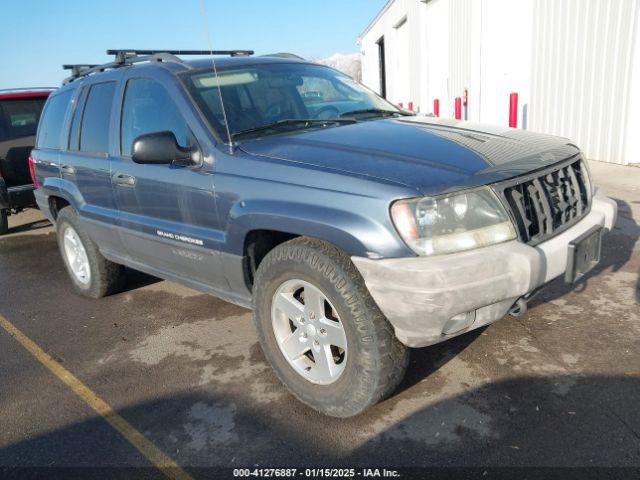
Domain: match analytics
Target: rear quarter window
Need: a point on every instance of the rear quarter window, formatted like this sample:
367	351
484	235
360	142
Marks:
50	128
74	135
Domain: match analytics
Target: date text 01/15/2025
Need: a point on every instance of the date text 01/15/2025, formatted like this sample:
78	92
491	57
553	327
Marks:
316	472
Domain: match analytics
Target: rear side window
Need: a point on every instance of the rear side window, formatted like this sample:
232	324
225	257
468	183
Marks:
148	108
19	117
94	129
50	126
74	135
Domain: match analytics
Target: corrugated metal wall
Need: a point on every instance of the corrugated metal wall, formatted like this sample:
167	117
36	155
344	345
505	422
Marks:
571	61
415	50
581	64
459	47
402	48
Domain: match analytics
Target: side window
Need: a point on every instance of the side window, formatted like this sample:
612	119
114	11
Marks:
148	108
74	135
94	128
50	127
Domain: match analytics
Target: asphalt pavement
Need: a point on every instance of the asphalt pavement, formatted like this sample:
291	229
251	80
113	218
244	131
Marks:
558	386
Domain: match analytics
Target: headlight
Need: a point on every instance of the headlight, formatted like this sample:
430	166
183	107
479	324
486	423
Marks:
453	223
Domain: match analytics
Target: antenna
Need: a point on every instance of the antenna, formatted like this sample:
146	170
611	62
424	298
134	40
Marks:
215	72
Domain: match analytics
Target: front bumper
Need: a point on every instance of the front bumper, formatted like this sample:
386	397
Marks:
431	299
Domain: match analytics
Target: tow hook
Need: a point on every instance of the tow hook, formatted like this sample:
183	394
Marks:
519	308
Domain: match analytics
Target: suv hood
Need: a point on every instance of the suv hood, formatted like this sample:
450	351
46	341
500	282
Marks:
424	153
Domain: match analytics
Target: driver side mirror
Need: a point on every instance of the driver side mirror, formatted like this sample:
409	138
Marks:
161	148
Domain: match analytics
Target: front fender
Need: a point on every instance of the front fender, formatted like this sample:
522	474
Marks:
354	231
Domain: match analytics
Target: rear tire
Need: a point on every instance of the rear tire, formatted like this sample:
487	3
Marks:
374	360
92	275
4	222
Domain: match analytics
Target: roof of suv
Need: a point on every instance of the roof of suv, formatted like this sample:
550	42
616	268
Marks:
172	62
240	61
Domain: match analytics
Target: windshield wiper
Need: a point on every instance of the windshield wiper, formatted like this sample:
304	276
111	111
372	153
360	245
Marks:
293	122
375	111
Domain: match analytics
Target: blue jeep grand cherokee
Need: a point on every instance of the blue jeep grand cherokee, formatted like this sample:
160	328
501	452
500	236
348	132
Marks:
352	229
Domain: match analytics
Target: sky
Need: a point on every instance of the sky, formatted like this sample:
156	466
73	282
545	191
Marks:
38	36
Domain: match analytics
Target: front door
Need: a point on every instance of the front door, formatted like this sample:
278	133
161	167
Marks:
166	211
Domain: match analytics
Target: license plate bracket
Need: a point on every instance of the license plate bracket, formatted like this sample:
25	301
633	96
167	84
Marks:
584	254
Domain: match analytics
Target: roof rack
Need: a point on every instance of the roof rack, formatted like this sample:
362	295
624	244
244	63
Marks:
78	68
131	56
124	54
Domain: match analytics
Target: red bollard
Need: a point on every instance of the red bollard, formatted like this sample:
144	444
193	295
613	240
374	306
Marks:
458	112
411	106
436	107
513	110
401	105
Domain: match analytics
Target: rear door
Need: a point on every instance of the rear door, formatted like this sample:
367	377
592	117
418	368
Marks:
167	212
85	164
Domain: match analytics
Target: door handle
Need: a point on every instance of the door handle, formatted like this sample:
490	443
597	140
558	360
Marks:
67	169
124	180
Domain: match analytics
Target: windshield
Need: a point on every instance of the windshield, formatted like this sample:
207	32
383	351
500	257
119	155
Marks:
277	98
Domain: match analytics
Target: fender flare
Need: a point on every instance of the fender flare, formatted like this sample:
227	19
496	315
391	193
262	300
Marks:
58	187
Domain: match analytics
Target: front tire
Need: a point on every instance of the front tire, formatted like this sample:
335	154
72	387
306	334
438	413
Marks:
92	275
4	221
323	334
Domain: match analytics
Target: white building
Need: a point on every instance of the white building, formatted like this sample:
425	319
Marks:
575	65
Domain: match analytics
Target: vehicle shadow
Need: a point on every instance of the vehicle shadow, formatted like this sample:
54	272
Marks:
423	362
134	280
517	422
617	250
29	227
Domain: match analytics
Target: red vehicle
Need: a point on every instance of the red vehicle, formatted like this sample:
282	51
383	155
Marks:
20	111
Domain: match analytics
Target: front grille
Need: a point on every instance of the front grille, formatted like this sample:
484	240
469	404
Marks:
544	204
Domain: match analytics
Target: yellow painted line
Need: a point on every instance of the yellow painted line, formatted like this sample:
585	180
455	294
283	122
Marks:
165	464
